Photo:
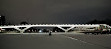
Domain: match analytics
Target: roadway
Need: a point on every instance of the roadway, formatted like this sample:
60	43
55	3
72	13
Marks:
56	41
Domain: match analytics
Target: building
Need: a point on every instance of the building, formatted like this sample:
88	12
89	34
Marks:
2	20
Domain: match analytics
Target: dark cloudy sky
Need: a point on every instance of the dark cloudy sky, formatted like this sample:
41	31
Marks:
55	11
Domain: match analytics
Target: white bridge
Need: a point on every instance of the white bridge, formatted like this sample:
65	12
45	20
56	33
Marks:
71	26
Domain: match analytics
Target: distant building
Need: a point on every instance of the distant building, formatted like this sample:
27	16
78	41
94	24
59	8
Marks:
2	20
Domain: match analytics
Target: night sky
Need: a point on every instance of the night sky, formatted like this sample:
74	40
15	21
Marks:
55	11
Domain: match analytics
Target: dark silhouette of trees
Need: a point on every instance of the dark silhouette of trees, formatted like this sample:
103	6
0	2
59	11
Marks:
106	21
24	22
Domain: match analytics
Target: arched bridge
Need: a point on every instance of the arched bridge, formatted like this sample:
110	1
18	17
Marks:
60	26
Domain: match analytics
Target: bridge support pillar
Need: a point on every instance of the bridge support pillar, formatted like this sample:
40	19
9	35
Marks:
61	28
22	30
66	30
